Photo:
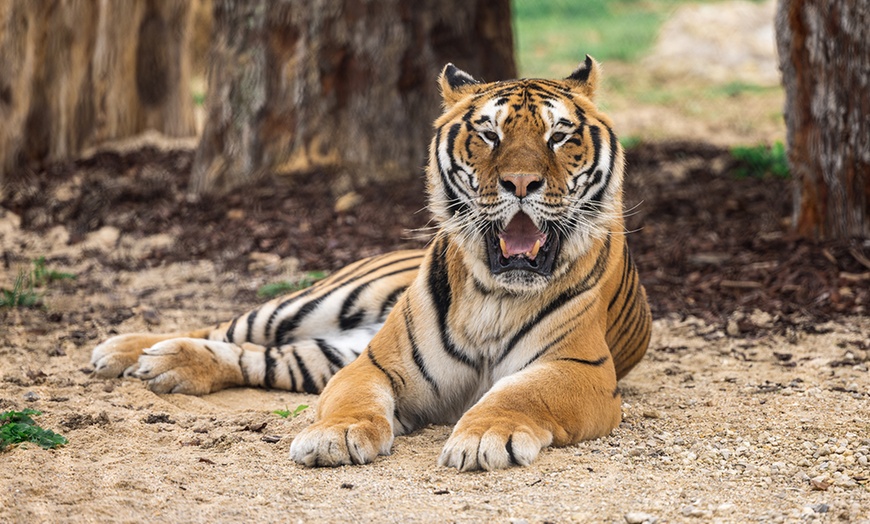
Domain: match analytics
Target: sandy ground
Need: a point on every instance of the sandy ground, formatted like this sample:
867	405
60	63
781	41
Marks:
716	428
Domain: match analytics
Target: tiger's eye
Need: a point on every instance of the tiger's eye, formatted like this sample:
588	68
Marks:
492	136
555	138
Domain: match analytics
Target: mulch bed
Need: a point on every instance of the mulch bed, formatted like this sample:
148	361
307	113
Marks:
707	242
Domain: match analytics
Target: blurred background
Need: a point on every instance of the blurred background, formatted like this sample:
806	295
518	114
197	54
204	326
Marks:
267	135
673	69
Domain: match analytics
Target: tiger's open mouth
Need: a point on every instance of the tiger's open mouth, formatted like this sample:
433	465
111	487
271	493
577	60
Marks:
522	246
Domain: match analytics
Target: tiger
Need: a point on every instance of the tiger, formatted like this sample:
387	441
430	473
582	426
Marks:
514	324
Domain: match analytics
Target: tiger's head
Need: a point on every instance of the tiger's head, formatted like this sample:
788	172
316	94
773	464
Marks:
525	175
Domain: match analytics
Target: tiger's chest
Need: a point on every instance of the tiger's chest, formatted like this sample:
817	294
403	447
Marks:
497	329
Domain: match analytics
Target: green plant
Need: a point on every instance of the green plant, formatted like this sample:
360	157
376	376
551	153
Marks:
42	276
289	286
18	426
22	293
761	160
284	413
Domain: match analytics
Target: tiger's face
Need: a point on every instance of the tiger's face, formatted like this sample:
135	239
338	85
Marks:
525	174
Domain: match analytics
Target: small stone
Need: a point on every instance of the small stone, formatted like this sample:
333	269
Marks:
820	483
30	396
151	317
692	511
820	508
637	517
732	328
347	201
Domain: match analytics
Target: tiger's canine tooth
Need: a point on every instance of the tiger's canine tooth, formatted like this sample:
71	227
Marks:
534	252
503	247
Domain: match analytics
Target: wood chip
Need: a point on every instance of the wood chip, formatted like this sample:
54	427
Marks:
740	284
854	277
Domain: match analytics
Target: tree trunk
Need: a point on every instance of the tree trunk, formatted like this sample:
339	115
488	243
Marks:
76	73
824	49
349	84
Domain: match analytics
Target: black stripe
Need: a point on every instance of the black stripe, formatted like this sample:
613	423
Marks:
479	287
251	317
556	340
415	349
383	370
245	378
599	195
391	300
455	204
626	257
596	363
640	323
292	375
330	353
269	374
628	302
442	297
230	335
308	384
589	281
346	321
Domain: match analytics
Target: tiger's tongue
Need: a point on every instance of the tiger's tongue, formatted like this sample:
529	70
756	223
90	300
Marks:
521	237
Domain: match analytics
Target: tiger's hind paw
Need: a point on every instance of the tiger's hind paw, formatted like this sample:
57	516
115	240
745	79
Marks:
347	441
493	445
190	366
119	356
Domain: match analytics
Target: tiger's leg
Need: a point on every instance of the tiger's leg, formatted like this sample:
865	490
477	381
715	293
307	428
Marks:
356	413
198	366
557	402
347	303
354	419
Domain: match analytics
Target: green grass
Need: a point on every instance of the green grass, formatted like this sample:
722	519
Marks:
761	160
23	294
17	427
552	37
289	286
42	276
284	413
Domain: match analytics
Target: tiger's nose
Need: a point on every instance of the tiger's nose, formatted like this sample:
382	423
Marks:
521	185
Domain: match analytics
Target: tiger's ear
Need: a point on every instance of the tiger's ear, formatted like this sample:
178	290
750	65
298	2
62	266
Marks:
456	84
584	79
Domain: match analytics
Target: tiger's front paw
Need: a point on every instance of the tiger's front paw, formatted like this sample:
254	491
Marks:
334	442
493	443
191	366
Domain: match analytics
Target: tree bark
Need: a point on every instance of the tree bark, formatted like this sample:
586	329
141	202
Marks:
824	50
296	85
77	73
